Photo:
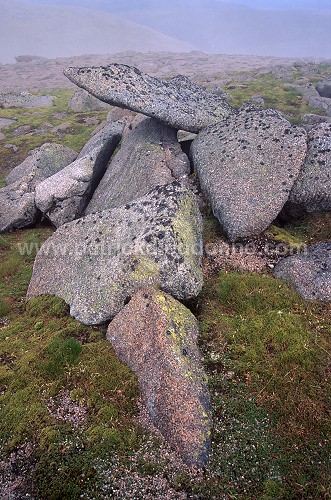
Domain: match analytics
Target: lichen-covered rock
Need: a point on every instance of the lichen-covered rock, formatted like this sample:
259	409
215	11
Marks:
312	189
17	207
95	263
324	88
150	156
25	100
103	137
64	196
178	102
156	336
309	272
247	165
17	199
42	163
82	101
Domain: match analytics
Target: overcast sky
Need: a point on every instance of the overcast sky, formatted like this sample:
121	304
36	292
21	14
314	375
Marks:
284	28
262	4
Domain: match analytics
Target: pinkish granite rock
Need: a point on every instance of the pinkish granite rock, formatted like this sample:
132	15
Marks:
156	336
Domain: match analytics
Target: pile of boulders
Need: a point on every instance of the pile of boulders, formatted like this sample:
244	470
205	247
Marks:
129	245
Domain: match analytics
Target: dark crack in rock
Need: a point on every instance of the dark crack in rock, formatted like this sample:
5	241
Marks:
64	196
150	156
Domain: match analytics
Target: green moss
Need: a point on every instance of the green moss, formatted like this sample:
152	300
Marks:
43	353
276	93
266	352
74	137
282	235
186	232
46	304
311	228
4	307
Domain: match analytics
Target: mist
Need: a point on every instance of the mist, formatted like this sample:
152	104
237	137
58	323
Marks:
64	28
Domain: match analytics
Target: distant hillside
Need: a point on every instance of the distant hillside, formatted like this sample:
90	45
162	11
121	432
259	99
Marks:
55	31
217	26
221	27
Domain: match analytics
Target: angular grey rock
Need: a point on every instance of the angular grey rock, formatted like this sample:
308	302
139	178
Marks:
311	119
4	122
25	100
17	207
82	101
312	189
156	336
95	263
17	199
324	88
247	165
64	196
42	163
309	272
150	156
178	102
101	138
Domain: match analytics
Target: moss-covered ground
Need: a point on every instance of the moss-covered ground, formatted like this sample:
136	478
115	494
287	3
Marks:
63	391
42	122
276	93
68	407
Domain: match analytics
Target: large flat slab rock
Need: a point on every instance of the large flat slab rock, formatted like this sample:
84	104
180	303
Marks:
179	102
64	196
42	163
156	336
309	272
312	189
97	262
247	165
150	156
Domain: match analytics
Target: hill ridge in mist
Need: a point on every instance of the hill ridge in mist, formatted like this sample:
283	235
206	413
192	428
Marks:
55	31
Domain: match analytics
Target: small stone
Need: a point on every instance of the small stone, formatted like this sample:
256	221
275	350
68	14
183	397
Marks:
63	197
309	272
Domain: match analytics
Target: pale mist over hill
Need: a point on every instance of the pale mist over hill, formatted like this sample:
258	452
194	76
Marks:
53	28
60	31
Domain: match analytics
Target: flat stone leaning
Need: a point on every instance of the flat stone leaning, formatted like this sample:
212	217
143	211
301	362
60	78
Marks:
150	156
95	263
156	336
178	102
247	165
64	196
